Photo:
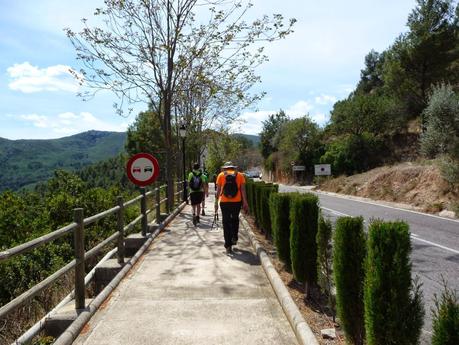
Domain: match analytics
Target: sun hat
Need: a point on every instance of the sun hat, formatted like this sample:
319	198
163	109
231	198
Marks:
229	165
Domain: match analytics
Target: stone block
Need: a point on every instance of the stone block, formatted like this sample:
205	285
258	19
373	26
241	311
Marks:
132	243
105	273
57	323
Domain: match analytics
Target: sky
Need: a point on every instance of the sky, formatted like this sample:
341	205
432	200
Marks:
306	73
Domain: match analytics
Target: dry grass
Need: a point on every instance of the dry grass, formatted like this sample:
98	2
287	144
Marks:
313	311
417	184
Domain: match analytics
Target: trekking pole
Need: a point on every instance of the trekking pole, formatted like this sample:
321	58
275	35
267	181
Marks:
214	222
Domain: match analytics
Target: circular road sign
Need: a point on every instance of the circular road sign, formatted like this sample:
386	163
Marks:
142	169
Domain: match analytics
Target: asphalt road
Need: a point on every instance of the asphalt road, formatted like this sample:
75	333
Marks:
435	242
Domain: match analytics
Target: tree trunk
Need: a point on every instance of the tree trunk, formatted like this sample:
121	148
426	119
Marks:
169	152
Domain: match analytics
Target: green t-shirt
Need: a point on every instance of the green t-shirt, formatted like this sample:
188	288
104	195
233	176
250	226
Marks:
203	179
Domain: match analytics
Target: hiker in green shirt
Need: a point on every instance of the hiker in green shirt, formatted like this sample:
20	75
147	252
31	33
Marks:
197	182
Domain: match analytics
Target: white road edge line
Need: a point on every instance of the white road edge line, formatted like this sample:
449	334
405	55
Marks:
435	244
392	207
413	236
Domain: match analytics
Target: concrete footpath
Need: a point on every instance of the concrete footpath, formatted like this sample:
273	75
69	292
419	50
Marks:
187	290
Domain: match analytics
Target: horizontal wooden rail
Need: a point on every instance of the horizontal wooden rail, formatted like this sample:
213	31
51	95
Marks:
134	222
20	300
100	215
133	201
94	251
22	248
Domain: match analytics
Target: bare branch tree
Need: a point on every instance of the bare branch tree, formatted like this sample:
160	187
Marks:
154	51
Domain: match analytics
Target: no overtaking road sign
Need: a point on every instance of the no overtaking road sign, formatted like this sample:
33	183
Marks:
142	169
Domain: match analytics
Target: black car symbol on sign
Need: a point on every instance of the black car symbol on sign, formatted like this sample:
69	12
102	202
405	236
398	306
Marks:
148	168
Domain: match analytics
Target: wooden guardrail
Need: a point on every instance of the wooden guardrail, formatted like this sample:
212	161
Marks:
78	228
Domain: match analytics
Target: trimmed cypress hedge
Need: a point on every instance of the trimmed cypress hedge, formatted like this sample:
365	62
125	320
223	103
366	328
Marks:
279	204
446	318
348	269
304	212
393	304
325	260
257	197
266	191
248	192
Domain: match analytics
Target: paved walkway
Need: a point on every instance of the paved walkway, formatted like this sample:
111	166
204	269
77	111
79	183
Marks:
186	290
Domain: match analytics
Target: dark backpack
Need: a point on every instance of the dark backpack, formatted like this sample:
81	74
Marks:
196	182
230	188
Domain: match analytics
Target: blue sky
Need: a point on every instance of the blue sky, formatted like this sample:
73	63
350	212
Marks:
315	66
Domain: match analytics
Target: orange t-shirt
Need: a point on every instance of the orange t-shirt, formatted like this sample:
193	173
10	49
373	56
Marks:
240	180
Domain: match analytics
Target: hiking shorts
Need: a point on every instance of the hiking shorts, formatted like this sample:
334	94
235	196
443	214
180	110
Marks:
196	197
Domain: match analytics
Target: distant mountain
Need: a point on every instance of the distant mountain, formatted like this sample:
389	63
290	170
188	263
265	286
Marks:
255	139
23	163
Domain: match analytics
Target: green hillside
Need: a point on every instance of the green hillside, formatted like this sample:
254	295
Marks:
255	139
25	162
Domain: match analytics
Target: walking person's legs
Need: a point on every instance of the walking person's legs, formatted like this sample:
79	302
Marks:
196	199
235	209
227	226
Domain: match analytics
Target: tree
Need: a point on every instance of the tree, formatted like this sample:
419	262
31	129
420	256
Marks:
442	123
371	75
269	136
424	56
372	113
154	51
300	142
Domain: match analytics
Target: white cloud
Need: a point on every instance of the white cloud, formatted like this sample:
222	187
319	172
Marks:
300	108
325	99
29	79
37	120
320	118
69	123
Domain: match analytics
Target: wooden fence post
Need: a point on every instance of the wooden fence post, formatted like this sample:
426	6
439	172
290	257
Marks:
79	258
143	210
120	226
158	205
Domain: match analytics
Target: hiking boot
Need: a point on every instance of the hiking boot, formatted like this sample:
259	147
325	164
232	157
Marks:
194	220
229	250
203	213
197	219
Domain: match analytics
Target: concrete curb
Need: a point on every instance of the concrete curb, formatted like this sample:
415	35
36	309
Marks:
303	332
72	332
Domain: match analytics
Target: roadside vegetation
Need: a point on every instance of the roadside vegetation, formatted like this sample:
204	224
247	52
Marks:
364	279
404	108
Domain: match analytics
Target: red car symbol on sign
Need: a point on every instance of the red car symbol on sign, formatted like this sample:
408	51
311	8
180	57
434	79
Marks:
136	170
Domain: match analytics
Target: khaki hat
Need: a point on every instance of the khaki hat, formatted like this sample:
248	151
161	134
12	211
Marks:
229	165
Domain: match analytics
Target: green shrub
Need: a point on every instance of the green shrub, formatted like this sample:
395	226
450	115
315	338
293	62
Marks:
280	223
249	192
393	302
265	212
441	121
325	260
257	200
446	318
349	154
304	212
348	268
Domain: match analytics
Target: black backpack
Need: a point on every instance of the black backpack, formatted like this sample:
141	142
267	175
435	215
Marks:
230	188
196	182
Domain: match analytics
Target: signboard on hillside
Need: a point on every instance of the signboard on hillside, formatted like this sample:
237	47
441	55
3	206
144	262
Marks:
299	168
142	169
322	169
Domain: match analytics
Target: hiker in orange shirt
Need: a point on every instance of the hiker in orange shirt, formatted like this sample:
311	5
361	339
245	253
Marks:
231	194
